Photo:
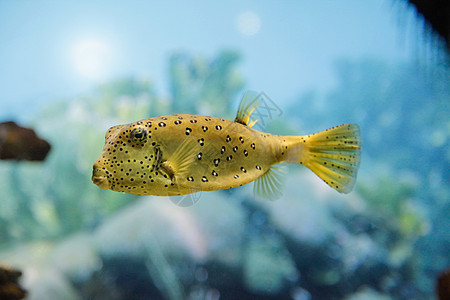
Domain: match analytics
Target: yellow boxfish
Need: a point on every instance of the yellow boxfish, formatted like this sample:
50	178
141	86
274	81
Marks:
182	153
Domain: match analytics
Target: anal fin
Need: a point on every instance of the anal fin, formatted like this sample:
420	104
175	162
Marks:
270	185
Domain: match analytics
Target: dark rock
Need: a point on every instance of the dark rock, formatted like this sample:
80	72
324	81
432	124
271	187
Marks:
19	143
437	14
10	288
443	285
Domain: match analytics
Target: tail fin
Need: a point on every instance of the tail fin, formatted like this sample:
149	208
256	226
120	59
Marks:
334	155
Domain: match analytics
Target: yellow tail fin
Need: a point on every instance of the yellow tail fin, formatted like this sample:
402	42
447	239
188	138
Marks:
334	155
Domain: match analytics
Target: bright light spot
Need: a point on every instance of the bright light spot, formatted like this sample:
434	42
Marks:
248	23
92	58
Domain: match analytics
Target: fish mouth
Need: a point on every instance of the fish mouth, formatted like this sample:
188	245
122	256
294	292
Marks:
100	178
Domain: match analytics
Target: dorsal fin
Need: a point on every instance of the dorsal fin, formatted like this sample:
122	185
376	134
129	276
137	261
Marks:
270	184
250	101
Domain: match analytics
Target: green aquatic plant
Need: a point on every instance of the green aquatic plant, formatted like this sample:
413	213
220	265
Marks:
393	200
205	86
386	195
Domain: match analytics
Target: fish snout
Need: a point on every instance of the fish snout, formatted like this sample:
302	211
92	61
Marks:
100	177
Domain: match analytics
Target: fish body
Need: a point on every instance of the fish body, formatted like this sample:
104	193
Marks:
182	153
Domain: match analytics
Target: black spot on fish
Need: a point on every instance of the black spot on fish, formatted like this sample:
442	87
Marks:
222	150
253	146
190	178
201	141
188	130
235	148
216	162
193	121
236	176
199	156
228	139
162	124
218	127
181	118
164	118
214	173
177	122
229	158
245	153
258	167
243	170
204	128
241	139
204	179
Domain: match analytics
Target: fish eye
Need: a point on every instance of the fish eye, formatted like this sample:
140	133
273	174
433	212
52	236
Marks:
138	135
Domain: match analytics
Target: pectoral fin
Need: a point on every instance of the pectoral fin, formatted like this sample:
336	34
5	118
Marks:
177	163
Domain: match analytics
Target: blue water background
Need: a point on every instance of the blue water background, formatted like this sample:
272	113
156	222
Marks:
71	70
